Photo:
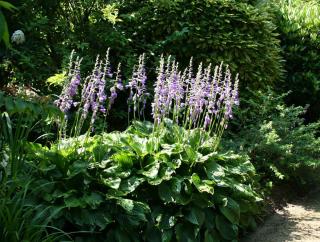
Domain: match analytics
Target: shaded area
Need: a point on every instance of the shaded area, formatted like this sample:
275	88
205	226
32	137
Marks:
298	221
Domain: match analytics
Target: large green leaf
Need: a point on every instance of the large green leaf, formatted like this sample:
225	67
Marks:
214	171
211	236
124	159
129	185
7	5
231	210
202	185
194	138
151	171
4	32
137	210
195	216
186	232
113	182
172	191
226	229
165	173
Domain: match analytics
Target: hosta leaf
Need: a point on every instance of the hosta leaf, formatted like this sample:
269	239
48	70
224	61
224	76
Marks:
137	210
203	200
214	171
93	199
113	182
124	159
141	128
166	221
165	193
151	171
189	155
185	232
73	202
209	218
138	145
195	216
170	149
129	185
194	138
166	235
211	236
231	211
226	229
121	235
245	168
172	192
152	145
153	234
206	158
90	217
165	174
202	185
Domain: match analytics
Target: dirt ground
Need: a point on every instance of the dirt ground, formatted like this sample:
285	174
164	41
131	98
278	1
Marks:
298	221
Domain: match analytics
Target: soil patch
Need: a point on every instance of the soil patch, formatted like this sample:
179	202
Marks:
297	221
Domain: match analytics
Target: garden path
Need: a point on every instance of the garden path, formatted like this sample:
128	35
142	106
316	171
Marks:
298	221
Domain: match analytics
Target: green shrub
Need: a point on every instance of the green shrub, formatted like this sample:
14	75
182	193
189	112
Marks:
18	118
278	142
298	24
141	186
233	31
211	31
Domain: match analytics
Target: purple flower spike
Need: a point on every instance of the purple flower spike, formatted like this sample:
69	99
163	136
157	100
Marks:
137	87
65	100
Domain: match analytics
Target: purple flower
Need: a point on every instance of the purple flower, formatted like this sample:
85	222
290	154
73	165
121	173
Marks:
65	100
137	87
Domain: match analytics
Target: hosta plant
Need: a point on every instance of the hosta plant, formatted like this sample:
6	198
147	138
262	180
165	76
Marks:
139	185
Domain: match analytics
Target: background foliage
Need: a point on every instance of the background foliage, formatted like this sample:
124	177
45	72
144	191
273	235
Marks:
298	24
211	31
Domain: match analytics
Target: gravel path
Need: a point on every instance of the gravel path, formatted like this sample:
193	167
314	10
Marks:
299	221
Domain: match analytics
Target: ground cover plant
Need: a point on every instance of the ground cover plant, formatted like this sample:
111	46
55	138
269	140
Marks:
282	147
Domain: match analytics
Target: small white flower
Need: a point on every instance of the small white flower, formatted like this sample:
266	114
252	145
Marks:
18	37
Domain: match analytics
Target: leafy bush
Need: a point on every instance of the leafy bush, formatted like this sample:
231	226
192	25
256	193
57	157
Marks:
18	118
298	24
142	186
278	142
211	31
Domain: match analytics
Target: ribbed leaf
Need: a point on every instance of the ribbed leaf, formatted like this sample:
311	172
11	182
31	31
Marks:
196	216
226	229
231	211
137	210
214	171
202	185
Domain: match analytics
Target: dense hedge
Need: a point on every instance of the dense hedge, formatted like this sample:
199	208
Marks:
212	31
236	32
298	24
